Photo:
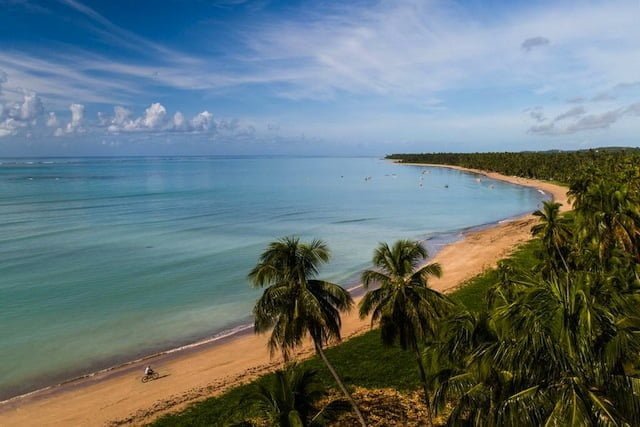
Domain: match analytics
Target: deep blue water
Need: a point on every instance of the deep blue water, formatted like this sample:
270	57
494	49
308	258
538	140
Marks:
104	260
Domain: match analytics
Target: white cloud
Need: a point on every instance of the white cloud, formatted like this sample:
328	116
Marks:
10	126
75	124
19	115
179	122
203	122
121	115
77	115
584	122
22	117
154	117
52	120
31	106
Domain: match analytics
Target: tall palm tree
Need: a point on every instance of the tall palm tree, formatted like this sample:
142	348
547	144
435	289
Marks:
405	306
555	232
296	304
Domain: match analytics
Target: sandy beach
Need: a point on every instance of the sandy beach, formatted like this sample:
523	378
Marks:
118	397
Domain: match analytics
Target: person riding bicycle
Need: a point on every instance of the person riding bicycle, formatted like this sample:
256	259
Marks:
148	371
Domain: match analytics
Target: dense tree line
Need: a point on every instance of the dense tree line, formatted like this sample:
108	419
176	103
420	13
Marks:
561	166
557	344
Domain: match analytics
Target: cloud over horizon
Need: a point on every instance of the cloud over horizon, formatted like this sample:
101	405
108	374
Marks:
584	122
374	71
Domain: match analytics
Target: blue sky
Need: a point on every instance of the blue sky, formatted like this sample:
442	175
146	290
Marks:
269	77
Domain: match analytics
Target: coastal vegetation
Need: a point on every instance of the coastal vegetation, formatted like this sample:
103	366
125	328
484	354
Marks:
549	337
559	166
290	398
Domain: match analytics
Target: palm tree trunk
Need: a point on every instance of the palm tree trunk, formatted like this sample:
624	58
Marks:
561	257
425	387
340	384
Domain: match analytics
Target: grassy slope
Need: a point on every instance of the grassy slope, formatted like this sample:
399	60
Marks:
361	361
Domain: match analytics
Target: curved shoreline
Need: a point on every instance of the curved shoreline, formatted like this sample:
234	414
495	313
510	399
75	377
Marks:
235	331
200	371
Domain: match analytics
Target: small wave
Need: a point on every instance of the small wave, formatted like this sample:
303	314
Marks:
291	214
217	337
348	221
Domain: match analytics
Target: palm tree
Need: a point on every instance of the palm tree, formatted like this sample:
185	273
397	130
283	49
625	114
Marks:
288	399
555	232
405	306
295	304
559	352
608	215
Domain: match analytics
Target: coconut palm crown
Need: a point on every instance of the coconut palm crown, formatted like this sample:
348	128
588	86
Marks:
294	303
403	303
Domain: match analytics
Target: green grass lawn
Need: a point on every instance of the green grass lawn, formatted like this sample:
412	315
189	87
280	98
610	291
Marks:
361	361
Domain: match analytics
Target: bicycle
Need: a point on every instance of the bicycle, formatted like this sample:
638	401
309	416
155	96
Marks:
150	377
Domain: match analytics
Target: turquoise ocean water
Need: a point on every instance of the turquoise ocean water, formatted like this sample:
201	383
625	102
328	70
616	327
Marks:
105	260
